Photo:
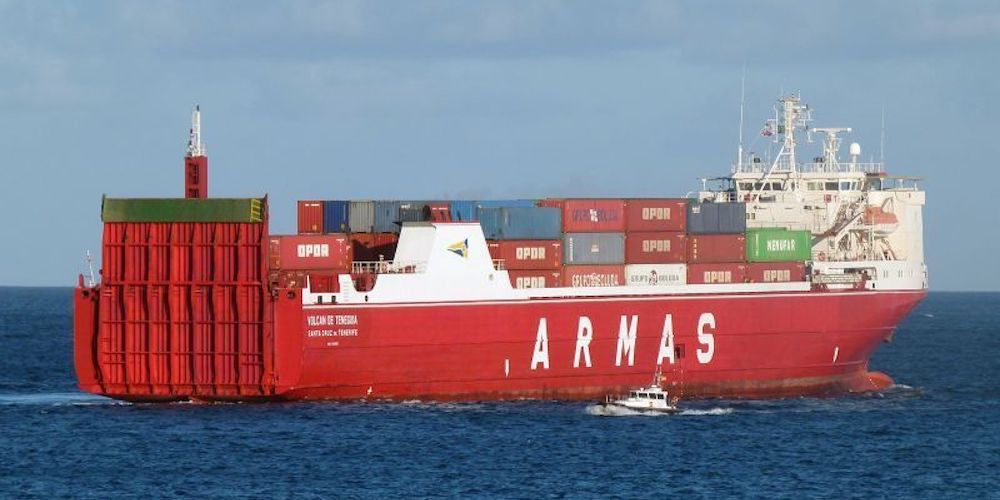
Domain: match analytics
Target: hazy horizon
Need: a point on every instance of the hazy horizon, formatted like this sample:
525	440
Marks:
448	99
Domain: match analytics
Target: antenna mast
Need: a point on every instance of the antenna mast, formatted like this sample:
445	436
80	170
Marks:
792	115
881	146
195	161
743	88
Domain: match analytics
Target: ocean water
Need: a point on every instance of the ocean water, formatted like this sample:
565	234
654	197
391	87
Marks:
936	434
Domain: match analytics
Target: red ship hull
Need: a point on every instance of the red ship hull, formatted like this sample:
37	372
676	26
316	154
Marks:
732	345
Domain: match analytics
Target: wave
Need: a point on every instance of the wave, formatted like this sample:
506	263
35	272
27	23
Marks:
56	399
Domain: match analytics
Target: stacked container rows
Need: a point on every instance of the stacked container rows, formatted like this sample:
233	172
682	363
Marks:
585	242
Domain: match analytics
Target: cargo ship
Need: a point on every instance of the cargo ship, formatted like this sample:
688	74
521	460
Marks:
780	278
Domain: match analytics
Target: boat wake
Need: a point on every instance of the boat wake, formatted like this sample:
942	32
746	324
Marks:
616	411
56	399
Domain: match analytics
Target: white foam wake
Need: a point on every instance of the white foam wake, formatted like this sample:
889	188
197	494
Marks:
56	399
617	411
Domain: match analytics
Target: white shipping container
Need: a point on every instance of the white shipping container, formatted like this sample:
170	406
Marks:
655	274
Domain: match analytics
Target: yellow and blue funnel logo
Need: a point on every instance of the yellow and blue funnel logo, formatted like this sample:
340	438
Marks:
460	248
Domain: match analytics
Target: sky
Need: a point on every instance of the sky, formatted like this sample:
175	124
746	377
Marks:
467	99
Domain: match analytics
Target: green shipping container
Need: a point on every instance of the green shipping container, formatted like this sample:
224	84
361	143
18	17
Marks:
778	245
183	210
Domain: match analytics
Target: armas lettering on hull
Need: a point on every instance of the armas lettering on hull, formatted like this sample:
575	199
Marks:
625	351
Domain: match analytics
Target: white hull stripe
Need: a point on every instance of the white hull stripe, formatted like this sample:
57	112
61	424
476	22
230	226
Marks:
582	300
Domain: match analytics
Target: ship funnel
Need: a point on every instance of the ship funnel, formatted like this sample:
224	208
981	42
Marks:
195	161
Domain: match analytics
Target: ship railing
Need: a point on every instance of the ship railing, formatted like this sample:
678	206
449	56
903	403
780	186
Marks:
837	279
815	167
388	267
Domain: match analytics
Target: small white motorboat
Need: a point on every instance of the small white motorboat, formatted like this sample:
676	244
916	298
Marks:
646	399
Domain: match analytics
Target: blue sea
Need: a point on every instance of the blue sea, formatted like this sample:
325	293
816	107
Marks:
936	434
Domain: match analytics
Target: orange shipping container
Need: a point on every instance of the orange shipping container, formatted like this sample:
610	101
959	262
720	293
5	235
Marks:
655	248
713	248
717	273
593	216
310	217
330	252
528	254
535	278
656	214
374	246
587	276
776	272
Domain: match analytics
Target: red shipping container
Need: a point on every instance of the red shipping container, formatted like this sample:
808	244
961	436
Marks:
655	248
776	272
288	279
551	203
586	276
324	282
331	252
310	217
527	254
711	248
593	216
535	279
717	273
374	246
656	214
438	212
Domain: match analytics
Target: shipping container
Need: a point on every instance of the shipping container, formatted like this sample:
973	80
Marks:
468	210
331	252
538	278
712	248
655	247
655	274
324	282
413	214
373	246
717	273
593	216
335	216
506	203
463	211
387	216
310	217
589	276
594	248
776	272
777	245
287	279
521	223
361	216
528	254
438	212
656	214
716	218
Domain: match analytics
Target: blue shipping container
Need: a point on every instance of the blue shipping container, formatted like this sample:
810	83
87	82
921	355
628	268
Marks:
521	223
463	211
716	218
507	203
386	217
467	210
335	218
